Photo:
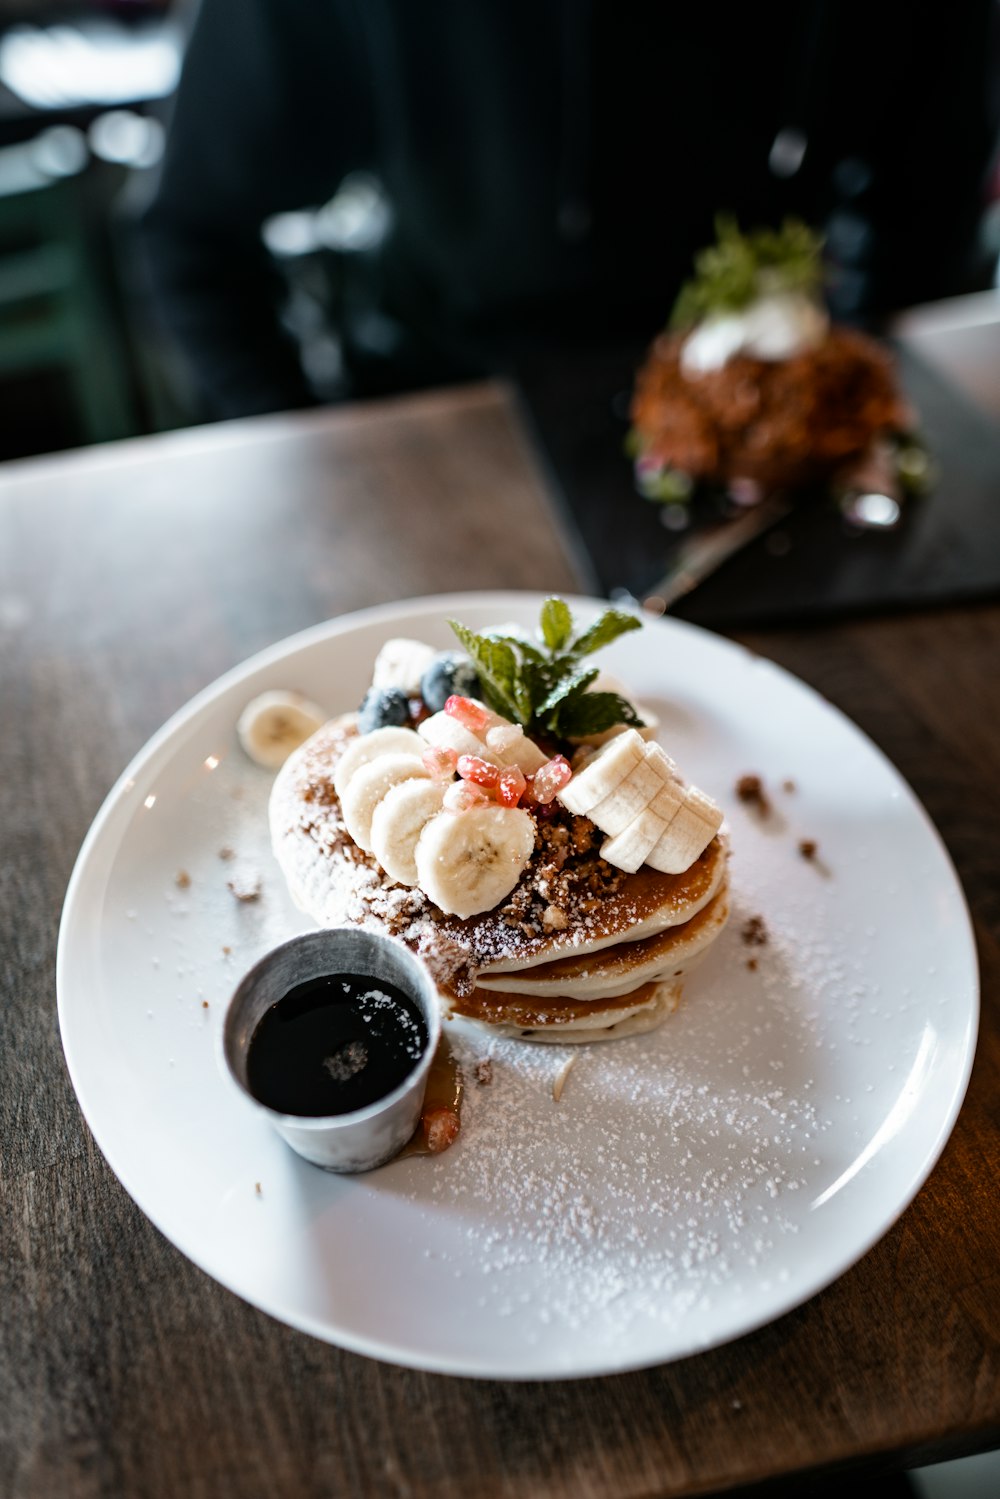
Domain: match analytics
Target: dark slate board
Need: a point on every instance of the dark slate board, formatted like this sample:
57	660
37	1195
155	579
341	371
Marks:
813	564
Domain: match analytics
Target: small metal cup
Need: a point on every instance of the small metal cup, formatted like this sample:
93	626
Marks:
368	1137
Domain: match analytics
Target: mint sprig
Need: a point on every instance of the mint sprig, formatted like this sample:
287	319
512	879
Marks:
543	685
738	267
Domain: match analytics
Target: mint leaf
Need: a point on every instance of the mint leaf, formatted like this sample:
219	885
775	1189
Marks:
730	273
557	623
594	712
567	687
519	643
608	627
497	666
544	687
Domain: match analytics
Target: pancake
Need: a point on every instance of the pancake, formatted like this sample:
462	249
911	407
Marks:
572	1022
619	969
590	949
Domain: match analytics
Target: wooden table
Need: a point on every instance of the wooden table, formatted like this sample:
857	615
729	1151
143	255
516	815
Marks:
130	577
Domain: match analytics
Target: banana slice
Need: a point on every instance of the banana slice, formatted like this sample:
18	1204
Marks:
445	732
615	812
368	747
398	821
470	861
654	779
509	745
668	799
275	723
402	663
603	774
688	834
502	743
632	846
649	815
368	785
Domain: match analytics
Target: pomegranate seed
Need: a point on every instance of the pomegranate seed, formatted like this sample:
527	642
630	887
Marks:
439	763
462	796
483	772
511	786
468	712
552	777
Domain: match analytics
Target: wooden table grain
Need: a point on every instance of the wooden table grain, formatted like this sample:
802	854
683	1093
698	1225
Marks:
132	576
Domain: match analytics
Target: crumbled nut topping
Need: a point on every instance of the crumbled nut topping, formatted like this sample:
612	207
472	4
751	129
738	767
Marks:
483	1071
754	932
750	789
565	873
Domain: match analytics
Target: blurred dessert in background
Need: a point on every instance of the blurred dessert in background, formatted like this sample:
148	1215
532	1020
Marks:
752	390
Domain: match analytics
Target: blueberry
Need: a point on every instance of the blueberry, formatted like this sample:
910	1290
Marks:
382	707
447	674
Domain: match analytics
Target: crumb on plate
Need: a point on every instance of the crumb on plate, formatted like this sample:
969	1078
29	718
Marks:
754	932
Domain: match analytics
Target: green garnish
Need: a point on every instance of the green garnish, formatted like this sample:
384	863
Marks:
542	685
733	271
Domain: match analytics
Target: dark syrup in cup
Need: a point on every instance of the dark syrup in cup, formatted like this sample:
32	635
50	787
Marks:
334	1044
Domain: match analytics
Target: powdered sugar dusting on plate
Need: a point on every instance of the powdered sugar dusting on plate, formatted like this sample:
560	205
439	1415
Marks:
661	1174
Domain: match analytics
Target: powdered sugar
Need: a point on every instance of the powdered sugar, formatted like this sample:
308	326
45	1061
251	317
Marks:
659	1176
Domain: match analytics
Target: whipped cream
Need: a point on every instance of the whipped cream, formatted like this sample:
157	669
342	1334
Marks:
776	325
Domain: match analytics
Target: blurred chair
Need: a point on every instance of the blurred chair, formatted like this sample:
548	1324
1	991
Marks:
55	315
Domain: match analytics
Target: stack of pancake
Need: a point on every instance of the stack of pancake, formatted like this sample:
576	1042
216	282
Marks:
579	951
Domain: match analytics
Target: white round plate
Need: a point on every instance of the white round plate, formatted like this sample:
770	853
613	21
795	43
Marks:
687	1186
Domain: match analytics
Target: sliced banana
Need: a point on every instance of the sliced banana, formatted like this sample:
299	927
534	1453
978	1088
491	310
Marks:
368	785
668	799
649	815
502	743
398	821
275	723
603	774
509	745
368	747
620	808
445	732
688	834
632	846
402	663
468	862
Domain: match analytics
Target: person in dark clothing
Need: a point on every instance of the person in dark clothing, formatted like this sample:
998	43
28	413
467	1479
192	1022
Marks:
551	165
